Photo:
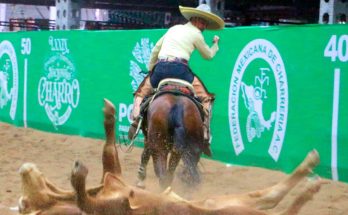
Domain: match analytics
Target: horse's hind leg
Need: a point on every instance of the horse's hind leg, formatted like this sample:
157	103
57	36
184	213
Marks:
189	151
173	163
145	157
190	160
270	197
160	166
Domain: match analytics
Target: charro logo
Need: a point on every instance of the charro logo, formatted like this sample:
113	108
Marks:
8	78
138	68
59	89
258	103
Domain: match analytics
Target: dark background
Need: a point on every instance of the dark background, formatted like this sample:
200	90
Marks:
237	13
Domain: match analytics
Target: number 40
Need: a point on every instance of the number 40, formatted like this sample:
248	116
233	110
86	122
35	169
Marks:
337	48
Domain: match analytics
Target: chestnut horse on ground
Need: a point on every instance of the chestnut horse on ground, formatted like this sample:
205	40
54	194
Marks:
174	125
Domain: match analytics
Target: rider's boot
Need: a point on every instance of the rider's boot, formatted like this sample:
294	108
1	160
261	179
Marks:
144	89
207	101
206	127
135	116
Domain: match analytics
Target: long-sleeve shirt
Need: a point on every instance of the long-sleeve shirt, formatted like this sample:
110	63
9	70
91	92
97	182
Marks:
180	41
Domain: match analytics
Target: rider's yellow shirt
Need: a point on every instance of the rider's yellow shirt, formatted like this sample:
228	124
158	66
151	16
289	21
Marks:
180	41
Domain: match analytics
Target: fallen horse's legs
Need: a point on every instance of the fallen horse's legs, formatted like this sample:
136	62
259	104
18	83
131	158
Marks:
269	197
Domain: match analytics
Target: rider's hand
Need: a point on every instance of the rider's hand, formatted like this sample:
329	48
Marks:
216	39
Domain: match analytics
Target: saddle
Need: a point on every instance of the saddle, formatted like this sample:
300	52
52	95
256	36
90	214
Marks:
176	87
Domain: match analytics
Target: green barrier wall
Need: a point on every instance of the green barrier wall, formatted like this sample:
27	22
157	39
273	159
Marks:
280	91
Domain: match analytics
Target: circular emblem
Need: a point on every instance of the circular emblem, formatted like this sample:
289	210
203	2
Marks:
258	98
8	78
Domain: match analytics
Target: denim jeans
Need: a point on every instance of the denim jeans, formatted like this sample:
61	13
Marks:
173	69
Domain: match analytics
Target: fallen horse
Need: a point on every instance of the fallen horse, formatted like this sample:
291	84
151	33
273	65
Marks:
115	196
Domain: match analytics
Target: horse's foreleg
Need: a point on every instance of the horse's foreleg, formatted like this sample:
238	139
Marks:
145	157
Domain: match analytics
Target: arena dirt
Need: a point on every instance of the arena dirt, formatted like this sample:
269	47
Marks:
54	155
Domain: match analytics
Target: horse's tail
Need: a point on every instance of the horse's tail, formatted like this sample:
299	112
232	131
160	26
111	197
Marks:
177	124
188	155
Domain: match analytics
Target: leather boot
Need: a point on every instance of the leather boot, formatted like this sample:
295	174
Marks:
136	107
135	116
207	106
206	126
206	133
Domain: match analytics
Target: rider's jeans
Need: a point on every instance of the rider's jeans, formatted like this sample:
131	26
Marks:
170	69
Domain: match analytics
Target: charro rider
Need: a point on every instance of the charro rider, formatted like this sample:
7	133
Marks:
170	56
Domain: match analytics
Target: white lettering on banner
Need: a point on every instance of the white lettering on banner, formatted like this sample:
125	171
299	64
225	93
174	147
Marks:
253	96
123	128
59	90
337	48
124	110
26	46
58	93
59	44
8	72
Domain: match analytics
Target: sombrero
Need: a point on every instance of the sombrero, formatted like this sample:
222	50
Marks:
203	11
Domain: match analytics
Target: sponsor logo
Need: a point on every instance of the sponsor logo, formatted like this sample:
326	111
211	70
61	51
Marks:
138	67
258	98
59	89
8	78
137	70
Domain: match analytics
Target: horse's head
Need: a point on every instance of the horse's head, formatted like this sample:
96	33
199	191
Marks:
33	189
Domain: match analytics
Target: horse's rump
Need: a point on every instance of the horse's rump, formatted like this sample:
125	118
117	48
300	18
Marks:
174	125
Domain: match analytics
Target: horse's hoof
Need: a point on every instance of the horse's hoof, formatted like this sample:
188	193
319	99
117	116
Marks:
311	161
109	108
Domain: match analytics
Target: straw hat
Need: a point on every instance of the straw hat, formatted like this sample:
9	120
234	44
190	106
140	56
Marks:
203	11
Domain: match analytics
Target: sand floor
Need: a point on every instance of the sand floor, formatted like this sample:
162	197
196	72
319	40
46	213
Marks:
54	155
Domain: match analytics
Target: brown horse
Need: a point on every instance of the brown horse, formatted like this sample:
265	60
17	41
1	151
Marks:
174	126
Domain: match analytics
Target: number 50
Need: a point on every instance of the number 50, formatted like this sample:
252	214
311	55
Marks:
26	46
337	48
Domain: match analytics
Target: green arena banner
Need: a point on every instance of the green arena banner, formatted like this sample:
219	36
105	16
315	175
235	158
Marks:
280	91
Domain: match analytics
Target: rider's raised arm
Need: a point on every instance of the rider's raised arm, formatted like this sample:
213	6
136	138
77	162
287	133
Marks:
154	53
206	51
